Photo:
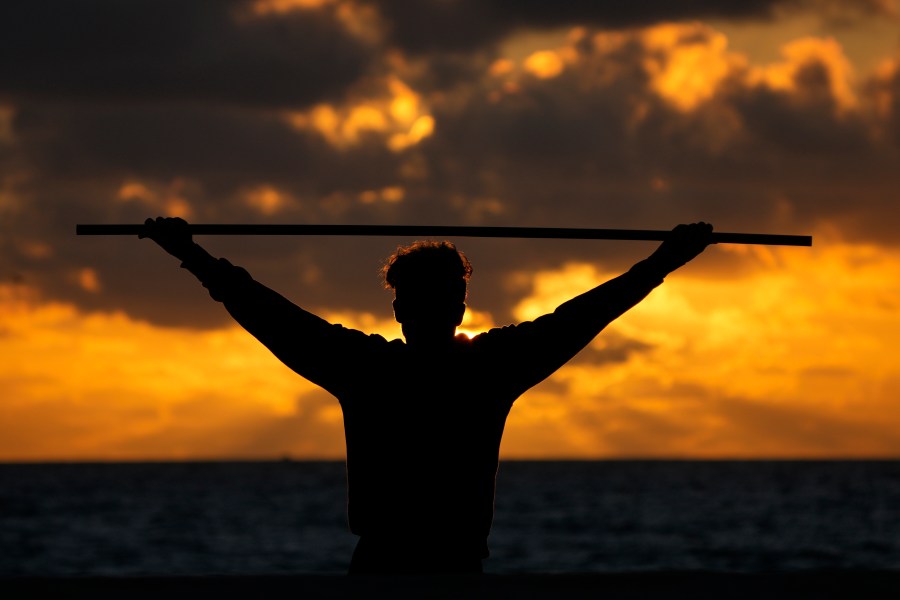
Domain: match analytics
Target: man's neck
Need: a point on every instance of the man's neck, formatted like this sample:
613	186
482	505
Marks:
428	339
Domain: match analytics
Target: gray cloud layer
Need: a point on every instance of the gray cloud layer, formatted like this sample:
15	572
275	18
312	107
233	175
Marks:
164	50
464	25
186	97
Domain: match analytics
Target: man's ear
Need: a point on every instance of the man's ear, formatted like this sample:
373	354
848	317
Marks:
459	316
398	310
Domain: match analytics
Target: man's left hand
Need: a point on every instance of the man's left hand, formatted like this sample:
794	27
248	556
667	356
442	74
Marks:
684	243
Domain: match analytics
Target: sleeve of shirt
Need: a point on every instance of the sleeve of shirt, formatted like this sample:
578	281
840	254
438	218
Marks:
326	354
528	353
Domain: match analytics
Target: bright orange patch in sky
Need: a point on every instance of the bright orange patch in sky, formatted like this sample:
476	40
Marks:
544	64
400	117
693	61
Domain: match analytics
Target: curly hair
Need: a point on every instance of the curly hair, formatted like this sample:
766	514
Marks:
427	261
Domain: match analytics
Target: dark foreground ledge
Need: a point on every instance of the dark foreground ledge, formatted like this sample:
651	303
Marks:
670	586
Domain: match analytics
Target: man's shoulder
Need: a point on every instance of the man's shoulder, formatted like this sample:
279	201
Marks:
341	334
498	334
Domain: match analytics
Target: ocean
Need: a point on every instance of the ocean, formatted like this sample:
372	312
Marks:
273	518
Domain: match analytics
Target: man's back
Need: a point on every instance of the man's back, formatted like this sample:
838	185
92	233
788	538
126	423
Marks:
423	439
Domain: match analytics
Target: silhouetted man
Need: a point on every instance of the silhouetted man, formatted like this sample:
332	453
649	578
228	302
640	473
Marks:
423	418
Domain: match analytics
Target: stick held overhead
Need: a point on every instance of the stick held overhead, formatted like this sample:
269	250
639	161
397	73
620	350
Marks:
557	233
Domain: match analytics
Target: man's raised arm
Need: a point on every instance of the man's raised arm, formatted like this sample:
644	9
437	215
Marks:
608	301
544	345
304	342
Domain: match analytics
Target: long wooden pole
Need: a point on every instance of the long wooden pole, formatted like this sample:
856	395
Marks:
454	231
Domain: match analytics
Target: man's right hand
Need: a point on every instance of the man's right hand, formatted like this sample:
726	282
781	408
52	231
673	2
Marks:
171	233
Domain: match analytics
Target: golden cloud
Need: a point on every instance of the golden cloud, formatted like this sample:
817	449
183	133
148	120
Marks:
687	62
543	64
267	199
266	7
803	52
166	199
399	116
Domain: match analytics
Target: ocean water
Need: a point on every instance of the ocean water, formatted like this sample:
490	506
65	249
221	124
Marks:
289	517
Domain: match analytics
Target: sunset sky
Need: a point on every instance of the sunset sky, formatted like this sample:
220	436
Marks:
758	116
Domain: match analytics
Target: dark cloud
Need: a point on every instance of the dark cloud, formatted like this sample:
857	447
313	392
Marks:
803	123
885	91
153	50
846	14
464	25
595	146
161	142
210	158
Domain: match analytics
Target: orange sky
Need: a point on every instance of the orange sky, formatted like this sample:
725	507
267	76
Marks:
750	352
792	358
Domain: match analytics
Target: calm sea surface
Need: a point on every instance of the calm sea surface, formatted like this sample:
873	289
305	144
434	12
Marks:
289	517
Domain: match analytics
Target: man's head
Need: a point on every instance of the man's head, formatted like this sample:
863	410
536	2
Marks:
429	280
